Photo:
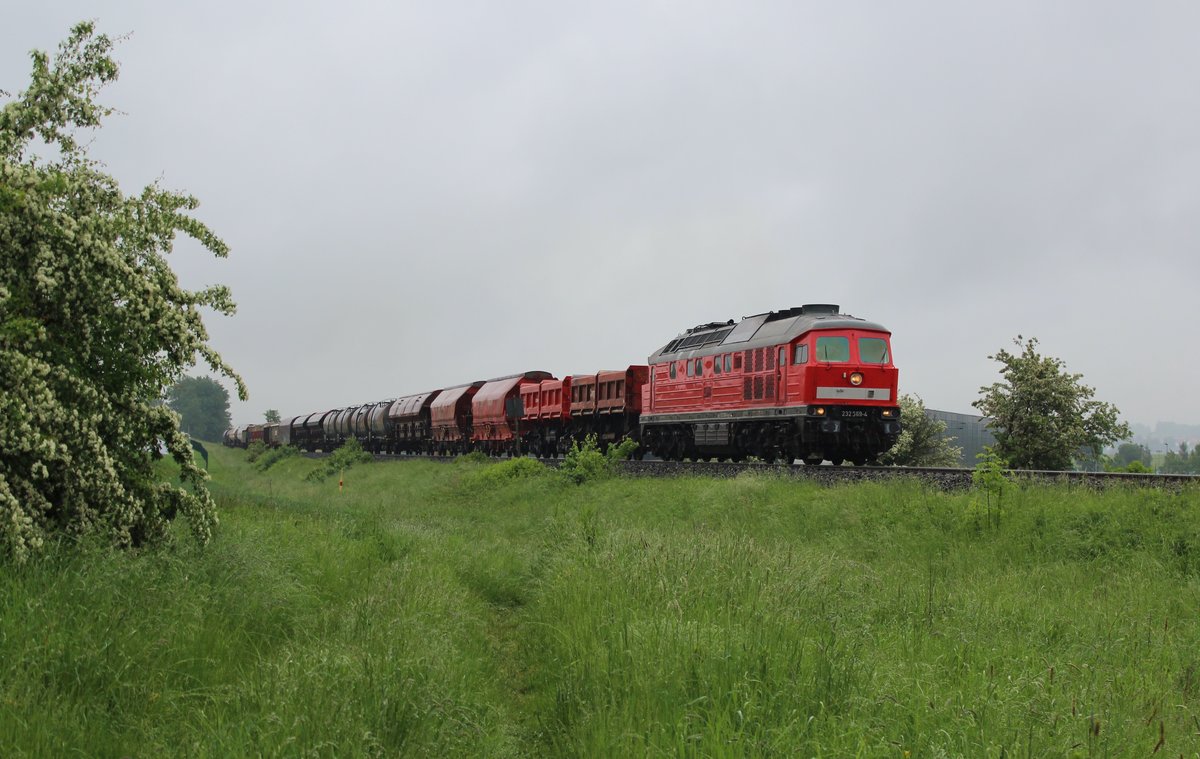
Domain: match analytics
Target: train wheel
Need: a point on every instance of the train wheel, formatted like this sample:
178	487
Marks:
813	461
678	451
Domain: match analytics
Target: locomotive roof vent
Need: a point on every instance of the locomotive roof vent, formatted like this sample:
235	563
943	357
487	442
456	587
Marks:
812	309
710	325
819	308
786	313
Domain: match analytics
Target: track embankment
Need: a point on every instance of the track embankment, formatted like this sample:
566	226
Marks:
941	478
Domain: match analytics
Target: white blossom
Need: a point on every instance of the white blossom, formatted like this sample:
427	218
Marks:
94	325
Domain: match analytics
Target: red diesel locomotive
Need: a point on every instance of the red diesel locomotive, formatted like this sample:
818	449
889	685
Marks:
806	383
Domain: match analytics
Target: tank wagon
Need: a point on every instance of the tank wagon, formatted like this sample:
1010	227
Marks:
806	383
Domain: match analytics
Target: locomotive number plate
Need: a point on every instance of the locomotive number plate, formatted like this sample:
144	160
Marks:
854	413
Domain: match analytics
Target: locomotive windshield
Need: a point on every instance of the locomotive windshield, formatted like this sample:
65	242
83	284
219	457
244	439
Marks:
872	350
833	349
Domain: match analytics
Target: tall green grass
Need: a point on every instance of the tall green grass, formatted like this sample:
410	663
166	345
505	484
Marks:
477	609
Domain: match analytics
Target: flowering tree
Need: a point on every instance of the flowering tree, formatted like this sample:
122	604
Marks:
1043	416
94	325
922	440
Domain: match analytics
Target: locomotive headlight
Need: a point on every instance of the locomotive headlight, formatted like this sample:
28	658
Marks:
819	411
856	378
888	413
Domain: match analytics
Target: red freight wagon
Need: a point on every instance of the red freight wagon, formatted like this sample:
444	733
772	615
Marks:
547	410
807	382
531	403
493	426
607	404
410	418
450	418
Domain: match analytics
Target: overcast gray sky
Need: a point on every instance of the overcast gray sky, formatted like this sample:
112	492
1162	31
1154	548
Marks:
422	194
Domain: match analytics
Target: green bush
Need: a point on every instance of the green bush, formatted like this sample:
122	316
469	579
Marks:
343	458
275	455
584	463
254	450
474	457
521	468
623	451
1134	467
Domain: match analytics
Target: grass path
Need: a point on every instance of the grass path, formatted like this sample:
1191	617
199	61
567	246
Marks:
477	610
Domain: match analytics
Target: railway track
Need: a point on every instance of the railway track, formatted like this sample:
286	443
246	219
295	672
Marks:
943	478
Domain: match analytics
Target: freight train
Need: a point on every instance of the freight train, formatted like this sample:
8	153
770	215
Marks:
807	383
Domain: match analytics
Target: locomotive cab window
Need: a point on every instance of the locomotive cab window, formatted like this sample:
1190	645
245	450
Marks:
699	367
689	368
801	354
872	350
716	364
836	349
728	363
672	370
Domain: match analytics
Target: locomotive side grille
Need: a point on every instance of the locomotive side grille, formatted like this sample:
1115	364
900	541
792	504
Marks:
747	387
770	357
758	360
770	391
758	388
749	360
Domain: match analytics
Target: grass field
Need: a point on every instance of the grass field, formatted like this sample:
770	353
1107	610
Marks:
475	609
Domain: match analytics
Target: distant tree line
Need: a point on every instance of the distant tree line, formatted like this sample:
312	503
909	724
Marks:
203	407
1183	461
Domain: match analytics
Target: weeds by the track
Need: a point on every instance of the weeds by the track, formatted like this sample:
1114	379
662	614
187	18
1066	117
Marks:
491	609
